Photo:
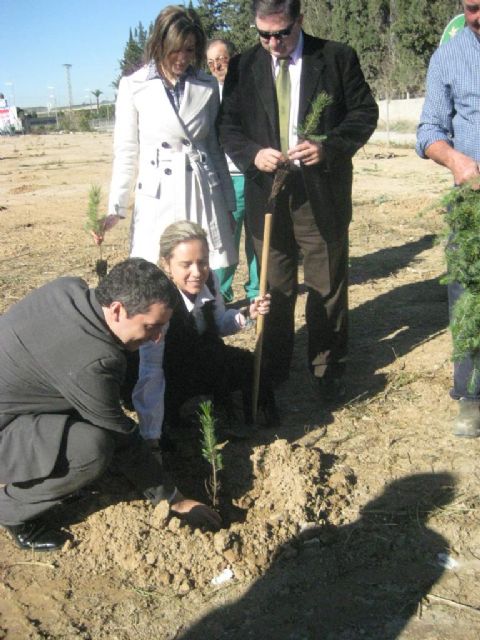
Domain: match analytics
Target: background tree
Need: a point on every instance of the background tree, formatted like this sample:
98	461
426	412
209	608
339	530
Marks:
211	13
240	24
318	17
97	93
133	52
140	35
393	38
418	26
363	24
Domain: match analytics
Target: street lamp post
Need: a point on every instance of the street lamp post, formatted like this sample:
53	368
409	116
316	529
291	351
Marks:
69	85
52	96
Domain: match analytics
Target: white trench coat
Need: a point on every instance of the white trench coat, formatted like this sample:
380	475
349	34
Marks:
178	176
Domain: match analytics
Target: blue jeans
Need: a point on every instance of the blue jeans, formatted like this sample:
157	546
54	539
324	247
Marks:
462	369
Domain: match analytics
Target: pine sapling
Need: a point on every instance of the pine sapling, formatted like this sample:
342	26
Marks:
95	224
305	131
211	449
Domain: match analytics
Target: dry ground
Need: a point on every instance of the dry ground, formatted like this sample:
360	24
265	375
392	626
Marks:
361	522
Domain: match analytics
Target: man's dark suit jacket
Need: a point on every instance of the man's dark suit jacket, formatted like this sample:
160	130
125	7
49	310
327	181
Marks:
248	122
58	360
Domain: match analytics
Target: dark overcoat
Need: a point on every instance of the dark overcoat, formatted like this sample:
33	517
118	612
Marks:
58	360
248	122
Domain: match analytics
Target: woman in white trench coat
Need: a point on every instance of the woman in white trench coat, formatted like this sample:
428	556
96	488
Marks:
165	138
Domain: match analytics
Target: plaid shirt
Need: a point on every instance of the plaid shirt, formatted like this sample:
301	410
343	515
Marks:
175	93
451	111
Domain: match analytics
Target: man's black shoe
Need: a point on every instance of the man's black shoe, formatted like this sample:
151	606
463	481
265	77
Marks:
36	535
332	390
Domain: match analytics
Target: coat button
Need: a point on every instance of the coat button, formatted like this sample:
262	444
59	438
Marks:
189	167
139	185
168	172
165	145
152	161
186	142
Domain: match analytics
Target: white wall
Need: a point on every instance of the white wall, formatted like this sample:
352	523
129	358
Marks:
408	110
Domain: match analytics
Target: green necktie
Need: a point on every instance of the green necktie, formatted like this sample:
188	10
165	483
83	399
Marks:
282	84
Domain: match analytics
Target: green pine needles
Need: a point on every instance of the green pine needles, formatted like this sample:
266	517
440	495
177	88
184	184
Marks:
307	130
462	207
211	449
95	224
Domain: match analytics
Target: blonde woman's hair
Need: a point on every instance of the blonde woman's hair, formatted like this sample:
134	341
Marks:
172	27
178	232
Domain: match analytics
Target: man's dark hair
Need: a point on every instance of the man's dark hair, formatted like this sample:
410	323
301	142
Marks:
137	284
228	43
263	8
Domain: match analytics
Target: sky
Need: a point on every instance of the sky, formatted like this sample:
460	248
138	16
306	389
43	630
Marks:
39	37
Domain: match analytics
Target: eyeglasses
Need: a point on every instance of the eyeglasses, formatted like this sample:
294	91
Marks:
472	8
278	35
219	60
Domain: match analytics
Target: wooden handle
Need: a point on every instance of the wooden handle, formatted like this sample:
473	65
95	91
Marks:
261	318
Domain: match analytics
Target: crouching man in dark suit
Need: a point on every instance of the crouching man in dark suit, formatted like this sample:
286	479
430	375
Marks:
268	91
62	362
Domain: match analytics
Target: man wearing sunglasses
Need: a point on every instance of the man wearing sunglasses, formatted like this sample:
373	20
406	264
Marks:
269	91
449	134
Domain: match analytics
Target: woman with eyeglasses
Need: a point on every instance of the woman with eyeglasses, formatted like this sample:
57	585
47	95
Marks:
165	139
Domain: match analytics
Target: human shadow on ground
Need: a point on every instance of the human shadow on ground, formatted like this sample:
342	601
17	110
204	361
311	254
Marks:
391	326
389	261
362	580
379	264
381	331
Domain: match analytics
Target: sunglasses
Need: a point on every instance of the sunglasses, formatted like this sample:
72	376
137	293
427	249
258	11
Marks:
278	35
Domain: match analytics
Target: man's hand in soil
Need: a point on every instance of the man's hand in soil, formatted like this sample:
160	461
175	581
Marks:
196	514
108	222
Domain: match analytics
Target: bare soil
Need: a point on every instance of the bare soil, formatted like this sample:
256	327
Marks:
358	522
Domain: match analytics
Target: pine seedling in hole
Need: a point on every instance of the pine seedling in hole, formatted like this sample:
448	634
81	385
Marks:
95	224
211	449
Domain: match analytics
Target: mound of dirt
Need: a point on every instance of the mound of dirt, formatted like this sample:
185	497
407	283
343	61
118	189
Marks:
289	498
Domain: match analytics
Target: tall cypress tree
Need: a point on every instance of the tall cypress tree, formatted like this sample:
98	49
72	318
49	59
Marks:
318	17
239	23
211	15
141	35
417	27
132	54
363	24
